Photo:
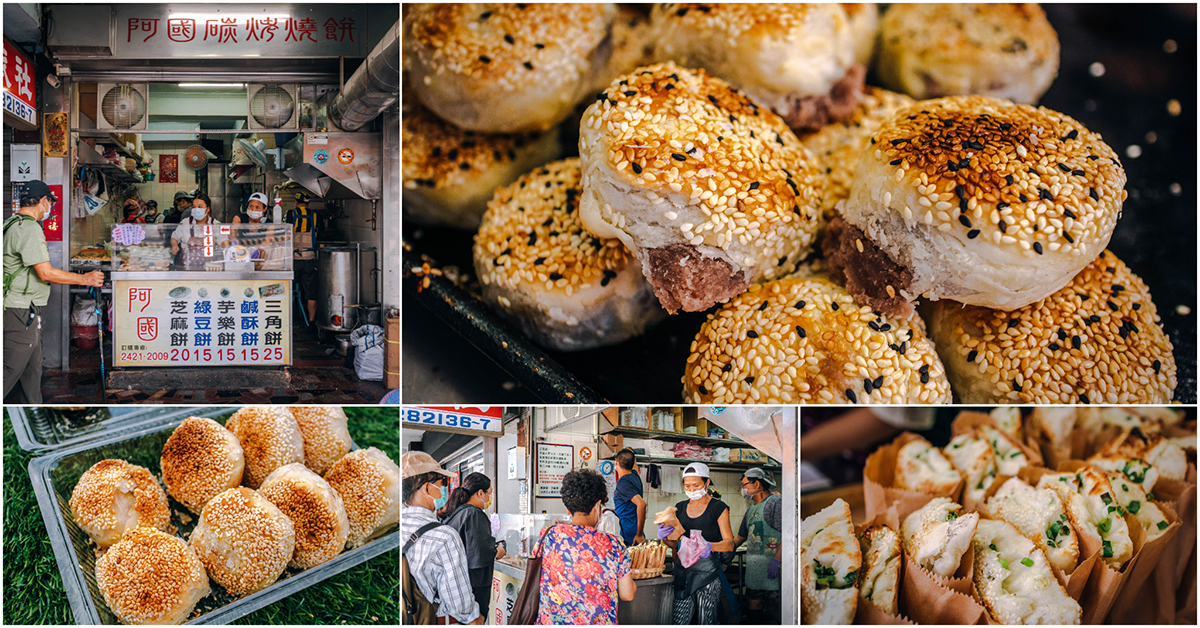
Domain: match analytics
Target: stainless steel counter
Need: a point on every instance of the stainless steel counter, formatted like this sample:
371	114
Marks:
650	606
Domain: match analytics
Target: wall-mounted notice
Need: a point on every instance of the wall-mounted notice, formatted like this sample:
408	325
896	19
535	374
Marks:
554	461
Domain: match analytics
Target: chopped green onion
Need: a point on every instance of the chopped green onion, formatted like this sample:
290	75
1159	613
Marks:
1003	563
1014	454
1027	562
1163	525
1108	551
951	516
1104	525
1150	497
1106	498
992	546
851	576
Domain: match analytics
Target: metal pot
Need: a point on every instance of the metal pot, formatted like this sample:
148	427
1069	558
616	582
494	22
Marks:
343	344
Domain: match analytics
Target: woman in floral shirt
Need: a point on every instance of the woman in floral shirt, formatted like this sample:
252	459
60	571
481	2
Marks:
584	570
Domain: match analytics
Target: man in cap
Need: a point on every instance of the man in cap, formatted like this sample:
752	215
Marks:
433	553
152	216
760	531
27	278
182	207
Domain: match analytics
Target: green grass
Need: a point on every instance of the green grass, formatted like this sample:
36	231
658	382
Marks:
33	589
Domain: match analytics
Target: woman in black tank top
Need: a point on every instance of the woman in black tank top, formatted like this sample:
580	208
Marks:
698	588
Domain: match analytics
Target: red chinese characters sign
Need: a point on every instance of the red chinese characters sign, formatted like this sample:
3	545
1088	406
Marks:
318	30
53	226
20	88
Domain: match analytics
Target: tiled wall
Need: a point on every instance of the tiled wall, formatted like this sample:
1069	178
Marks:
164	193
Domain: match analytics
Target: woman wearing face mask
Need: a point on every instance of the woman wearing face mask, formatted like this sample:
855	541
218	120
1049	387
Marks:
698	588
256	211
190	236
584	570
465	512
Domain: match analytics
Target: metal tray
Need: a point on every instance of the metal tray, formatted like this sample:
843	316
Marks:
54	476
1156	236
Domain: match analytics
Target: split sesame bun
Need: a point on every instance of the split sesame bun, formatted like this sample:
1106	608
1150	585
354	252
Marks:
1097	340
838	146
565	288
711	192
777	54
449	173
270	439
369	483
113	498
316	511
999	50
151	577
505	68
807	341
864	26
200	460
244	541
979	201
326	435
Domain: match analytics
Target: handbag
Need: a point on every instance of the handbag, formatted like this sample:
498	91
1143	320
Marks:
529	598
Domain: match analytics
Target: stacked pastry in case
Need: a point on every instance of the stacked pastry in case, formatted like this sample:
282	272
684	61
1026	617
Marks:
647	560
1068	515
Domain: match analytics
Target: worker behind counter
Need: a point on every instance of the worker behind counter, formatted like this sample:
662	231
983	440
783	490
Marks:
304	244
181	208
27	278
188	238
760	531
152	215
260	240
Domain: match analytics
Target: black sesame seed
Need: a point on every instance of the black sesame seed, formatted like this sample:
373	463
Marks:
924	378
896	162
1084	398
752	334
1076	342
452	155
962	205
1014	322
549	221
728	367
1073	134
951	166
528	65
1069	214
966	222
834	305
1078	173
750	380
702	389
972	234
873	325
900	141
681	12
1045	194
1062	335
877	382
1024	199
1001	205
464	166
894	347
637	169
800	332
1064	167
1068	237
1004	126
485	15
539	46
555	276
1112	306
799	305
763	306
782	261
972	355
1037	247
924	368
1092	193
678	157
1093	157
509	38
1137	306
867	386
1157	365
532	238
631	93
1008	178
1003	226
851	396
779	139
754	186
485	59
965	163
604	281
436	152
1016	386
885	327
960	191
1093	318
1053	346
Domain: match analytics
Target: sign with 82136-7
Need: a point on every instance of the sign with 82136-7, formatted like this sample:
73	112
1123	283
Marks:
202	323
479	420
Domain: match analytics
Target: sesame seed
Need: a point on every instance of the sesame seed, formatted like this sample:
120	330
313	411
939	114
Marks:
485	58
751	334
678	157
851	396
1037	246
509	38
528	65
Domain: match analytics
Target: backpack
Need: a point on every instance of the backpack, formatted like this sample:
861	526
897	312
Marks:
417	609
9	277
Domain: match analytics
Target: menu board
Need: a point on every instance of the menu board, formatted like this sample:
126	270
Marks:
202	323
554	462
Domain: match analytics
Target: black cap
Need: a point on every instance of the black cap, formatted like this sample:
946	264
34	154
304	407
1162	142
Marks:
36	190
151	203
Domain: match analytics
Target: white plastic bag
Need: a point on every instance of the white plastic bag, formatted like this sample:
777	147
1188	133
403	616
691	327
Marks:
83	313
368	352
610	523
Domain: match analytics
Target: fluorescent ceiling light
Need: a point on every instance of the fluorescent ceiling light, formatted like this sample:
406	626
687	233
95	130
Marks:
212	84
216	15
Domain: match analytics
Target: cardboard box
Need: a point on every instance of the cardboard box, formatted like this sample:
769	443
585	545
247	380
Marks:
690	419
614	442
750	456
612	413
391	358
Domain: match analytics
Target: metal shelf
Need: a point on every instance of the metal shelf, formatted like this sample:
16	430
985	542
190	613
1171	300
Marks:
88	290
675	436
712	464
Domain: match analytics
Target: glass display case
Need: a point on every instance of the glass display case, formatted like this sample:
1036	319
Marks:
202	248
521	533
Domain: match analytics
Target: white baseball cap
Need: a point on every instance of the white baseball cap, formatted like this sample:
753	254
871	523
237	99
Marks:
260	197
696	469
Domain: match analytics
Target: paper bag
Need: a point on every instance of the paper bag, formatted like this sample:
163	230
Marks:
927	599
1131	604
879	491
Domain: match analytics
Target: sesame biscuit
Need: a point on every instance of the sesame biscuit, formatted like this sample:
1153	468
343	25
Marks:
200	460
369	483
539	268
999	50
807	341
326	435
315	509
151	577
711	192
244	541
774	53
837	147
270	438
114	497
1097	340
449	173
505	68
979	201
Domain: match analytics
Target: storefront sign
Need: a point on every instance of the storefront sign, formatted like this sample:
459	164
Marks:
149	31
54	134
20	89
554	462
504	598
52	226
202	323
477	420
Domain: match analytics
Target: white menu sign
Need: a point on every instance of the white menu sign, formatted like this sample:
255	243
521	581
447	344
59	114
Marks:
554	462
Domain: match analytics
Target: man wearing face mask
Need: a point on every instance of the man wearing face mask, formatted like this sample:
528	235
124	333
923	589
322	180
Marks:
152	216
433	553
764	549
27	278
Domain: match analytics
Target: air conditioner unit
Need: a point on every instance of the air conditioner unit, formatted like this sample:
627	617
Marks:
273	107
122	106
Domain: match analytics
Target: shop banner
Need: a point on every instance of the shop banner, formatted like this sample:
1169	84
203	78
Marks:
553	463
52	226
54	134
475	420
20	88
504	598
167	322
153	31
